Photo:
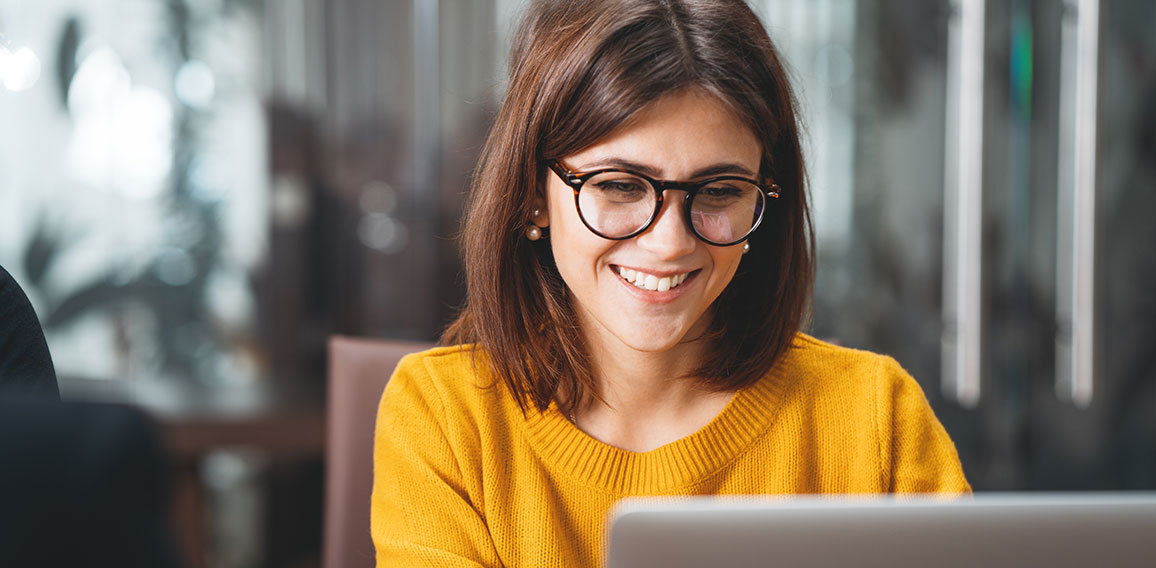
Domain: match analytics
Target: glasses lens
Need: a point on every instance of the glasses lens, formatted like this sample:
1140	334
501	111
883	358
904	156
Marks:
616	204
726	211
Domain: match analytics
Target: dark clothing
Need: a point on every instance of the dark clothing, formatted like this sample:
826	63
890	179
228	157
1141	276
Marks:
82	484
25	365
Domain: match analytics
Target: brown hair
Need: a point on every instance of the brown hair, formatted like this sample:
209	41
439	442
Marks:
580	69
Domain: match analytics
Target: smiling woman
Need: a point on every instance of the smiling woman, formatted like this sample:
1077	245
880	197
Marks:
648	330
639	262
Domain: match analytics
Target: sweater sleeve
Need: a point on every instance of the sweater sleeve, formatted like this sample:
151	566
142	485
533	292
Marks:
421	513
922	456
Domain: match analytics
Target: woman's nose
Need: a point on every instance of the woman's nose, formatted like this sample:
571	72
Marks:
669	237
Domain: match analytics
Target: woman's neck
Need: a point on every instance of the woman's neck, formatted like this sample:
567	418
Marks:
648	399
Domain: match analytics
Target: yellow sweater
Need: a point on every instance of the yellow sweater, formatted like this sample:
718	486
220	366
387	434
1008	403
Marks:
462	478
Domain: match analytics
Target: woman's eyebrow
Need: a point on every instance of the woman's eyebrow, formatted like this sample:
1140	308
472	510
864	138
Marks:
711	170
721	169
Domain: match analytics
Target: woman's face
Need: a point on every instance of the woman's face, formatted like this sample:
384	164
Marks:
684	136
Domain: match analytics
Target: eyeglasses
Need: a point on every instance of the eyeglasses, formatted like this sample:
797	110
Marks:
619	204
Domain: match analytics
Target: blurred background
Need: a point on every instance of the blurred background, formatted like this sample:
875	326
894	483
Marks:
195	194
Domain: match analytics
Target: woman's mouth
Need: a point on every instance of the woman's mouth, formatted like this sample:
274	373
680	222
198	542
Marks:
651	282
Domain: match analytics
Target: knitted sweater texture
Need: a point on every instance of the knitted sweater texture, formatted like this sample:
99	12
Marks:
463	478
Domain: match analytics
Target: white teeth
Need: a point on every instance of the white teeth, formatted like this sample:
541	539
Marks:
650	281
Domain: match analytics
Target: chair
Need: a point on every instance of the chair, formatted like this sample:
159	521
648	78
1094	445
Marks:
358	372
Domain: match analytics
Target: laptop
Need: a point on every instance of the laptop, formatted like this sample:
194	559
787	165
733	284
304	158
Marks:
996	530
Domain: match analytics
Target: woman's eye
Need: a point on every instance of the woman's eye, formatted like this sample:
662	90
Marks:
720	191
620	186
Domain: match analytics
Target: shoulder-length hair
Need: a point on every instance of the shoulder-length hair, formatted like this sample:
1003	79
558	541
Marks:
580	69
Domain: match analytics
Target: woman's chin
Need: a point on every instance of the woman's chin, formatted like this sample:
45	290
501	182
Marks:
651	345
655	341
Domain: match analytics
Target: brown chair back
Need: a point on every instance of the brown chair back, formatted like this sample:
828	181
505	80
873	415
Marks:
358	372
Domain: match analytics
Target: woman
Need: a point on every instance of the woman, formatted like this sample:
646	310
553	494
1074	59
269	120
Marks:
626	334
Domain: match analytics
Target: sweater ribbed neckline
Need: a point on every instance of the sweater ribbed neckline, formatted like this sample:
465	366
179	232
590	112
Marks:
566	448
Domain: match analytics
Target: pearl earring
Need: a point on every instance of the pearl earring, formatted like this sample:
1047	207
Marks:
534	232
746	248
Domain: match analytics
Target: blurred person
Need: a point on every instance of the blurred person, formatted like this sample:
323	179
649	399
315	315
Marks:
639	258
80	483
26	368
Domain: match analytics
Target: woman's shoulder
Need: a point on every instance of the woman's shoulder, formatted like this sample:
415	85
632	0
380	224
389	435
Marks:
441	359
827	365
454	374
446	363
809	350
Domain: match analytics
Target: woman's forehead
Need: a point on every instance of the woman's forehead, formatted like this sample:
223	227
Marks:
676	136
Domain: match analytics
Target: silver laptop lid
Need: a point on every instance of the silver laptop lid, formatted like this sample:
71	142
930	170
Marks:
999	530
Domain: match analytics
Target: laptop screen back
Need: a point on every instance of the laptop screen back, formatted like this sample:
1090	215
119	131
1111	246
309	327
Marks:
988	530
